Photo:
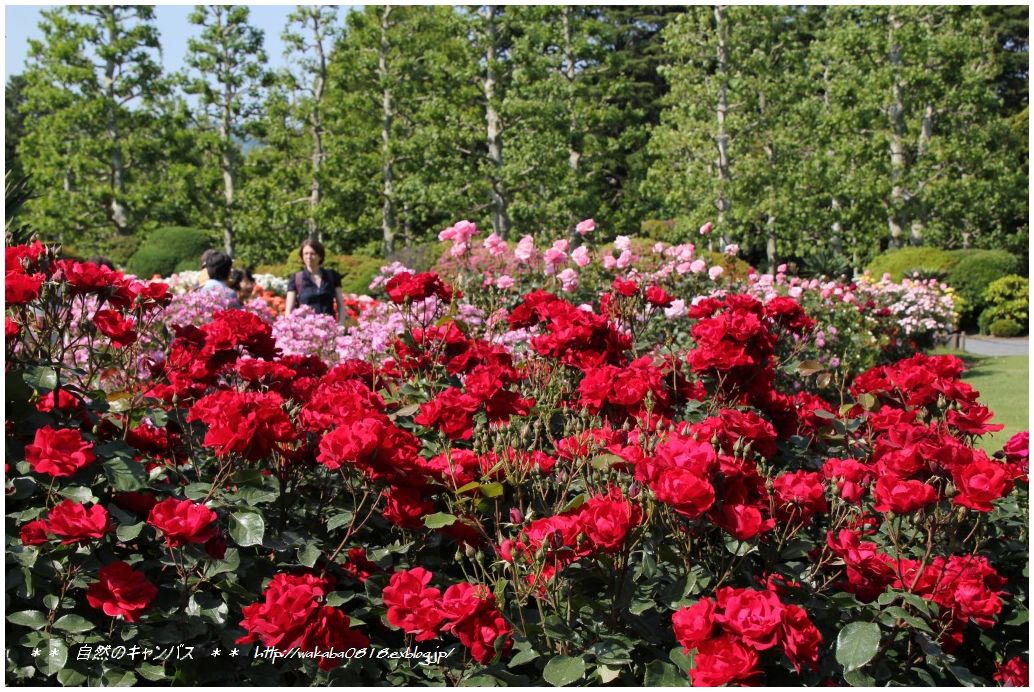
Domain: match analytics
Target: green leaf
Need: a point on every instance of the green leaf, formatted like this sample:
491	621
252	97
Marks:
661	674
468	487
116	677
809	367
492	489
152	672
857	643
481	681
247	528
77	493
41	378
522	657
681	659
29	618
858	678
575	503
309	554
255	496
563	670
73	623
52	657
439	520
125	476
70	677
230	563
129	531
339	520
603	462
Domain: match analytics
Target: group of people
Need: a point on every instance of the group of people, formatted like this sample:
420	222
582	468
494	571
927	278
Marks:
314	285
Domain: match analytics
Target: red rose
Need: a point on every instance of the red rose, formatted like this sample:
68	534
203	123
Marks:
801	495
1018	449
35	532
452	412
121	590
281	619
722	660
741	520
413	606
66	401
606	521
405	286
471	614
754	615
183	521
355	442
625	288
251	424
330	629
694	624
800	638
687	493
20	287
407	507
11	329
74	523
112	324
59	452
981	483
87	277
655	295
1013	673
850	476
359	565
902	497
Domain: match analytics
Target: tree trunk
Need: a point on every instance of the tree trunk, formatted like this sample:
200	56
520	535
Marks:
387	118
573	154
227	159
898	159
316	121
119	213
722	201
919	209
494	136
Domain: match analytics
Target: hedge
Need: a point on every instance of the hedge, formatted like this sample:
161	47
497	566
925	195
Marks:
168	250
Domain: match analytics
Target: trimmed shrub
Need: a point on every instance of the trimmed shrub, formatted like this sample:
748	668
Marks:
929	263
972	275
168	250
660	229
1006	328
1006	298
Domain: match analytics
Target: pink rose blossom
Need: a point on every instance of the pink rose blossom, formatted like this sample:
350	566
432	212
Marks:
585	227
495	245
525	249
625	259
580	256
504	282
623	243
698	266
568	279
676	309
715	272
609	262
706	228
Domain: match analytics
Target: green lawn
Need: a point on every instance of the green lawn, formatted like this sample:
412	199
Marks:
1004	388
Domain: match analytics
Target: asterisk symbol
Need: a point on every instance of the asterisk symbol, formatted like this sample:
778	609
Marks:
55	652
35	652
234	652
216	651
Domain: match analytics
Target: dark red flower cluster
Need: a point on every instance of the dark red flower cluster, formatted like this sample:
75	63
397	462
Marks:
730	631
600	525
291	616
466	610
22	278
410	287
72	522
623	391
251	424
575	337
686	473
1013	673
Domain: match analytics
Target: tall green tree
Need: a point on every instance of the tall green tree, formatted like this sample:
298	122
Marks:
91	86
226	72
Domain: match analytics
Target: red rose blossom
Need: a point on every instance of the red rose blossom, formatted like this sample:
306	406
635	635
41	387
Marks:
121	590
59	452
183	521
112	324
73	522
413	606
723	660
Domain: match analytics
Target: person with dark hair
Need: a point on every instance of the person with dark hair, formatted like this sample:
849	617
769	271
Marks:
202	276
243	282
102	261
218	265
315	286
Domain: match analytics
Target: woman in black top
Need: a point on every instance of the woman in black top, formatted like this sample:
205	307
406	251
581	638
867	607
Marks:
314	286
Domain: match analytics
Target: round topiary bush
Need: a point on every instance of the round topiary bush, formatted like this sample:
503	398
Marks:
972	275
1006	298
1006	328
168	250
929	263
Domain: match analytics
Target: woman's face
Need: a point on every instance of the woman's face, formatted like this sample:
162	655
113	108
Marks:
310	257
246	289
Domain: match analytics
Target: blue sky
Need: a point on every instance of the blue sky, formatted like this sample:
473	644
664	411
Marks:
20	24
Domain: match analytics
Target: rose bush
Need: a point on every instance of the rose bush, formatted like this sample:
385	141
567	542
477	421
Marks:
561	487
